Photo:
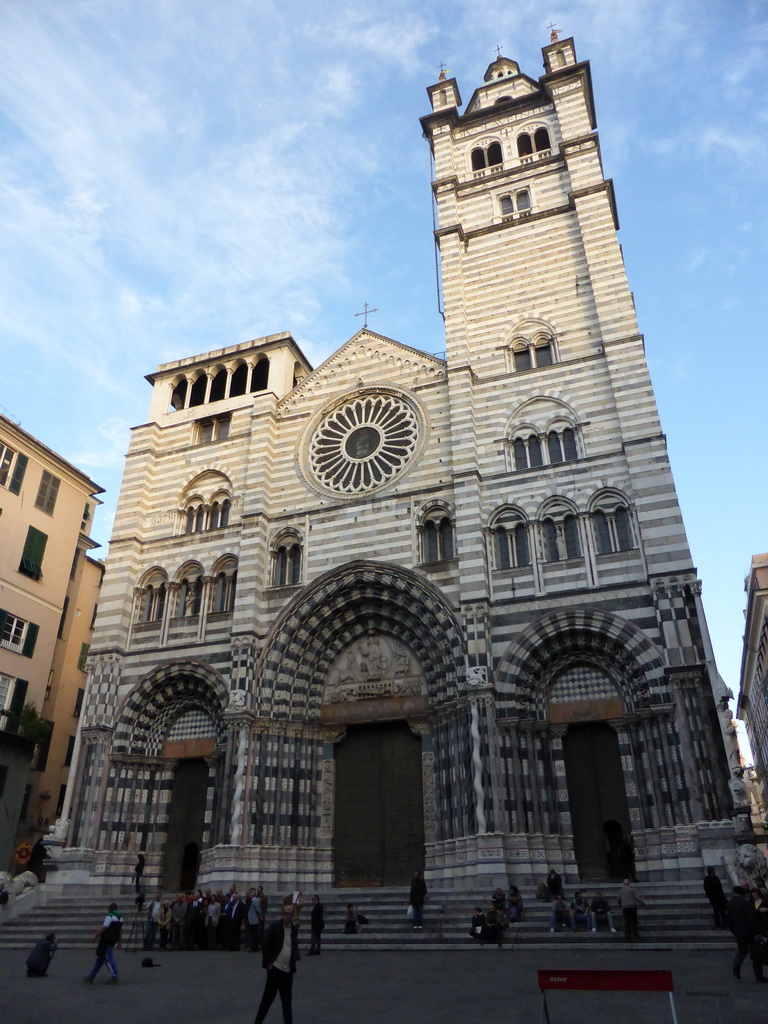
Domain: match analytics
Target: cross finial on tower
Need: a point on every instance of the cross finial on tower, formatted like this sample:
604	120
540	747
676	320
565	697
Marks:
498	50
365	313
553	30
441	65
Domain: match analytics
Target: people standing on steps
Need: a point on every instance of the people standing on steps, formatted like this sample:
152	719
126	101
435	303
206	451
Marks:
138	871
316	925
629	901
713	889
417	898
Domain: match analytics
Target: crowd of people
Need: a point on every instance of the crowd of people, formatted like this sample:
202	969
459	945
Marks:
228	921
212	920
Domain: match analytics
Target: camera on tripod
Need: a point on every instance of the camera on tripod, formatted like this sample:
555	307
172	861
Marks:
139	901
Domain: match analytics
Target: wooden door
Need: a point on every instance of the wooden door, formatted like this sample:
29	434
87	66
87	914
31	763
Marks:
379	815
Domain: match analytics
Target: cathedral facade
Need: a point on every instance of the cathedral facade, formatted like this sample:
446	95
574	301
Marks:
407	611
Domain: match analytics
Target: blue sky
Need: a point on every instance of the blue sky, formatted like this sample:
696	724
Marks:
177	176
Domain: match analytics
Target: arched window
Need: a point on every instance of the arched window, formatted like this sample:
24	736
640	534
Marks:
287	562
225	583
494	154
260	375
478	159
528	353
196	518
219	514
571	537
527	452
560	536
523	200
239	381
507	206
549	539
179	395
524	145
561	445
218	387
543	351
530	450
612	527
522	357
197	395
541	139
153	604
437	536
190	597
510	537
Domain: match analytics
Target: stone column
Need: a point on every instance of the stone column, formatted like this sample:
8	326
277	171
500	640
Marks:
564	822
206	583
239	718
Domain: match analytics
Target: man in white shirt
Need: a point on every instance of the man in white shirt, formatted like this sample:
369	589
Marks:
150	926
279	952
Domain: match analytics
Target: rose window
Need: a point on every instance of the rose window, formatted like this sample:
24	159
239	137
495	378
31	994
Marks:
364	443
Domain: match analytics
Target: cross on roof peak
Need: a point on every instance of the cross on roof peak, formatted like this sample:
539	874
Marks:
365	312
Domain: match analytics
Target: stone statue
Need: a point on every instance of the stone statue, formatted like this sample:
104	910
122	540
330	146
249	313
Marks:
750	862
57	833
238	700
477	675
371	656
738	788
401	660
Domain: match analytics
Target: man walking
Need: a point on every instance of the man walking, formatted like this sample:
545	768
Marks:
418	896
629	901
316	925
109	937
744	921
279	952
713	888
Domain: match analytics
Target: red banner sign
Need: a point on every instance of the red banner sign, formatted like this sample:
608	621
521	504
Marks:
607	981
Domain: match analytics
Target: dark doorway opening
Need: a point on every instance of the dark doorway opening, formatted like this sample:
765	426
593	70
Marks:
597	798
190	862
379	813
186	821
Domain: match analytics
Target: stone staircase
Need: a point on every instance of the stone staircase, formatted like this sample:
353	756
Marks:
676	916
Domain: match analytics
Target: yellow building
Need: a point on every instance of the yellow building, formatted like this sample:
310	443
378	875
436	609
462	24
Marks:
47	586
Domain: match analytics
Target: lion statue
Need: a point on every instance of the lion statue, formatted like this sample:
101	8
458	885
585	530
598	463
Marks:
749	862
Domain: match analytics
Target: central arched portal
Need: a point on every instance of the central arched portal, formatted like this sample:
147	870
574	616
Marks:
379	813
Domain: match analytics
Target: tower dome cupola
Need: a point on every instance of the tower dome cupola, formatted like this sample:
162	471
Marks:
502	67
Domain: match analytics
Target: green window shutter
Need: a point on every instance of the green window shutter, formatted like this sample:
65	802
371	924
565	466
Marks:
32	556
19	696
63	618
3	619
84	648
30	639
18	473
47	492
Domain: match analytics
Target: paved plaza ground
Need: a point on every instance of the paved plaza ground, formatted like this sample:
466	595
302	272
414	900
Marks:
484	984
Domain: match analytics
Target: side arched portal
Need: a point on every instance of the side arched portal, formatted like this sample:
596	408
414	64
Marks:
164	768
589	737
